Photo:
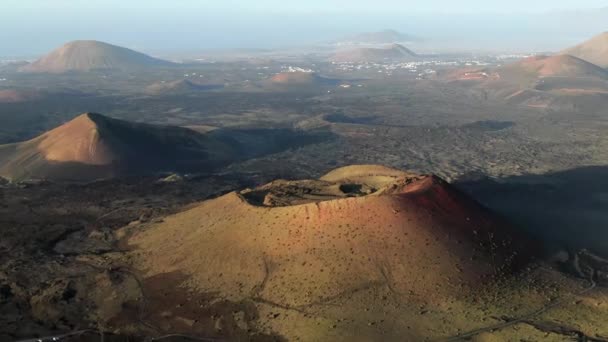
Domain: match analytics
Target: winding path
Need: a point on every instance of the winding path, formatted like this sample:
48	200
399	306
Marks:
521	319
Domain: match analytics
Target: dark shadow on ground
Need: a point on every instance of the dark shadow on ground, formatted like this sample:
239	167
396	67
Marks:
568	209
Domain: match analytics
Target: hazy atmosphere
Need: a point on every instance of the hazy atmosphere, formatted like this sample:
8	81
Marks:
159	27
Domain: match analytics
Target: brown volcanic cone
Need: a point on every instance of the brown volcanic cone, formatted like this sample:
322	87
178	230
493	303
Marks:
552	66
94	146
363	236
561	70
87	55
594	50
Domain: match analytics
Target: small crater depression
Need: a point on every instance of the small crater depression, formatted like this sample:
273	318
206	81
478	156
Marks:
356	189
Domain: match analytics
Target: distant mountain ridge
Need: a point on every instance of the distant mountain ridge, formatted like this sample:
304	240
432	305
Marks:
393	52
88	55
379	37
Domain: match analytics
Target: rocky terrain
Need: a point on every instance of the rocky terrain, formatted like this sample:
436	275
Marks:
363	253
244	199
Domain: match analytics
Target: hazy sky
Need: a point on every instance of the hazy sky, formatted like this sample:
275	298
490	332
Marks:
411	6
31	27
307	5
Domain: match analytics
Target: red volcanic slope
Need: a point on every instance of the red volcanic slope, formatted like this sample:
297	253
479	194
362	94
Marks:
554	66
432	240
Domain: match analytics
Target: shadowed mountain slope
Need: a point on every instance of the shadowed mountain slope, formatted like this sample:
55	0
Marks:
94	146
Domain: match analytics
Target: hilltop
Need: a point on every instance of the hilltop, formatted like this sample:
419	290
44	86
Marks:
88	55
368	239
